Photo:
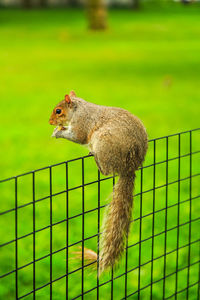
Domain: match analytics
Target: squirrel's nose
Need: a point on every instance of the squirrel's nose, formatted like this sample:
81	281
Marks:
51	122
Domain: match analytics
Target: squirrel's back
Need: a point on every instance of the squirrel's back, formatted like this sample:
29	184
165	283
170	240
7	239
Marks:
126	128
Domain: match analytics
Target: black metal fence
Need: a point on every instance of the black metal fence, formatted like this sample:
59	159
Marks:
47	213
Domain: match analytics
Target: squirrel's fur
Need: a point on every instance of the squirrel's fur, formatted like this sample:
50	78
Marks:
118	141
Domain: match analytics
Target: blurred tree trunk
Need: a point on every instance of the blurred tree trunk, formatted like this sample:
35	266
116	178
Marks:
26	3
43	3
97	14
73	3
135	4
185	1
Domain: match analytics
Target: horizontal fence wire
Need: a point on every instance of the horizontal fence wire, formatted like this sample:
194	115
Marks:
48	217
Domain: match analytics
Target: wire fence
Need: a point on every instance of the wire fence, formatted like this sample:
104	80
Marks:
47	213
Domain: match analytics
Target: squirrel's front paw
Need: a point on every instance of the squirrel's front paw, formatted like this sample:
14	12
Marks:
58	133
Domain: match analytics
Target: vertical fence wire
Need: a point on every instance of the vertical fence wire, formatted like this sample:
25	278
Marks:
33	182
166	205
98	231
140	232
153	216
126	267
112	271
198	288
67	229
16	240
190	213
111	287
83	227
178	215
51	232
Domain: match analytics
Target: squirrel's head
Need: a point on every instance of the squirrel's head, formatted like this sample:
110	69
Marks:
63	111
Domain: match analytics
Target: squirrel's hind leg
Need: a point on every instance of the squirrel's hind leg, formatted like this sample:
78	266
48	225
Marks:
104	155
104	170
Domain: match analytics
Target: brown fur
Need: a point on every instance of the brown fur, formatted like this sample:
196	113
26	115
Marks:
118	141
90	257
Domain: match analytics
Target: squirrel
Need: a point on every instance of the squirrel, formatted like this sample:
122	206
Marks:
118	141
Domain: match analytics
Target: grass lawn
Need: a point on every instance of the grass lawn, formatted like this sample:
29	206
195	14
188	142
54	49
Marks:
147	62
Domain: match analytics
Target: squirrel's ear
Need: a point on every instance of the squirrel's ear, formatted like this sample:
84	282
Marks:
72	94
68	99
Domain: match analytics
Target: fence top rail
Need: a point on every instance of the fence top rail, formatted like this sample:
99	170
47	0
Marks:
86	156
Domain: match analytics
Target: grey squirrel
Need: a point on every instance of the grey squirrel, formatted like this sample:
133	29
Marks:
118	141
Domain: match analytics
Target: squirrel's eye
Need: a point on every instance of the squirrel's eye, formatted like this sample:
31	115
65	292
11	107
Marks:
58	111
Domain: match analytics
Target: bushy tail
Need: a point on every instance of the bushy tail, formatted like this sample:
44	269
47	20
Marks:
116	225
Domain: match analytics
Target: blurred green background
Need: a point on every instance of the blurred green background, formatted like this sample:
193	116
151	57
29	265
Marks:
147	62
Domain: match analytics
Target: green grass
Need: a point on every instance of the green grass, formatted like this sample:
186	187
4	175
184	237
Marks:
147	62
